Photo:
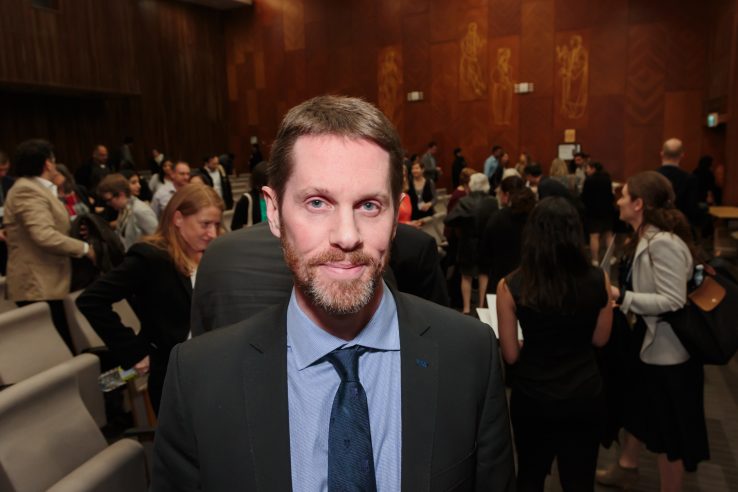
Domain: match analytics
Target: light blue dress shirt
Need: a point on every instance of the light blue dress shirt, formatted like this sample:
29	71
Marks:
490	166
312	388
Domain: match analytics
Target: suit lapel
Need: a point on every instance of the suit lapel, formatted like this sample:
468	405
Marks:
419	362
265	396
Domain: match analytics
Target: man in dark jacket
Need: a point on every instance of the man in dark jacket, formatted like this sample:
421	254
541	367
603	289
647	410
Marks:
215	176
684	184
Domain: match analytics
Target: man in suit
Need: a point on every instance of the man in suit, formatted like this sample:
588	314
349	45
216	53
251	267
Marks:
243	273
215	176
349	385
37	228
684	183
90	173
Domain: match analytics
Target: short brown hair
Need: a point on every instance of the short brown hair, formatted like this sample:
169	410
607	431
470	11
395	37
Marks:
114	183
188	200
334	115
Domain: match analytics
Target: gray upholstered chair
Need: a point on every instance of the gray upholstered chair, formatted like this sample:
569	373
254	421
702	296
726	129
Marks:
51	442
83	335
30	344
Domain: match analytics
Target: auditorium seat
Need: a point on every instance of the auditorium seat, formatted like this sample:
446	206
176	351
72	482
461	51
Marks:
83	335
51	442
30	344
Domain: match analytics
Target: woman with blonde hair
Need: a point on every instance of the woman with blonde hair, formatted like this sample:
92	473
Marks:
560	172
156	277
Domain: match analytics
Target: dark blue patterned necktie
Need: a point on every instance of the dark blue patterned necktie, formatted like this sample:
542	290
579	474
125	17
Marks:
350	459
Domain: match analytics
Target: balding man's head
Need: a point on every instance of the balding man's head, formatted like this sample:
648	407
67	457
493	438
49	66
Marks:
100	154
673	151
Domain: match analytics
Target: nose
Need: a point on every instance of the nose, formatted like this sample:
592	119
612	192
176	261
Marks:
212	231
345	233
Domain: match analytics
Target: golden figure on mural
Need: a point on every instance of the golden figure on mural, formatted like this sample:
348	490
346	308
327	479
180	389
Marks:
574	75
469	68
502	88
390	84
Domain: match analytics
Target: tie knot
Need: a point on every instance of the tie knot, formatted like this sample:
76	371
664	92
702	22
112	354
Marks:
346	362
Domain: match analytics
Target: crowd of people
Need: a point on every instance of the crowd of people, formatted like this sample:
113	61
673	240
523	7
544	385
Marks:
511	229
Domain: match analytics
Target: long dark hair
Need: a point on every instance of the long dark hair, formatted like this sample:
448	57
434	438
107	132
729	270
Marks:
659	209
552	258
522	200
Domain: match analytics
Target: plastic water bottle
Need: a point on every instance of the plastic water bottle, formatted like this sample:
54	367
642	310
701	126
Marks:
699	275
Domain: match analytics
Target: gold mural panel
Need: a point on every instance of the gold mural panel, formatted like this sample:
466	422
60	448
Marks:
472	83
572	57
502	87
389	83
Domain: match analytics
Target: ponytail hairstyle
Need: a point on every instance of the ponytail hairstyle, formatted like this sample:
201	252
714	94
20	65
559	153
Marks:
522	199
659	209
188	200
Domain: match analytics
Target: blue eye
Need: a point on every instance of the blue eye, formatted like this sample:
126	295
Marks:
370	206
315	203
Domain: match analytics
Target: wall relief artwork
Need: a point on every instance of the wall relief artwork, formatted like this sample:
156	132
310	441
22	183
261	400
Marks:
472	83
502	88
389	82
573	77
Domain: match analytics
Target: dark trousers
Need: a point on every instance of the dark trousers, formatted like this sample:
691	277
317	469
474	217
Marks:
568	430
58	317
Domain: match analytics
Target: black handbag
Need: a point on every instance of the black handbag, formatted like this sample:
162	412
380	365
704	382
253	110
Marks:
707	325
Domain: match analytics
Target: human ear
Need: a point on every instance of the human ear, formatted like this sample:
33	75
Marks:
272	209
178	218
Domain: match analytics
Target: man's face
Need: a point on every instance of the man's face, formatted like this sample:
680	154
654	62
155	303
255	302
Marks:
4	168
181	175
100	155
117	202
498	153
212	163
579	160
336	222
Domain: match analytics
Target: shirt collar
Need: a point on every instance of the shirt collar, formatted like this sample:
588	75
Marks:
309	342
46	184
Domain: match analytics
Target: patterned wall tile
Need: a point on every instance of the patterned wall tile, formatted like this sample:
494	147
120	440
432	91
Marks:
537	46
644	94
504	17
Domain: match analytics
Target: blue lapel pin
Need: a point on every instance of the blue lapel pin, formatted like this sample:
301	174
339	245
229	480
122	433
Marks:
422	363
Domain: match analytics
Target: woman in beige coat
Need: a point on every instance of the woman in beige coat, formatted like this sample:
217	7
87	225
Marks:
665	408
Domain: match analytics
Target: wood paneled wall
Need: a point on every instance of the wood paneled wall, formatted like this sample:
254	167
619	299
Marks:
96	71
652	69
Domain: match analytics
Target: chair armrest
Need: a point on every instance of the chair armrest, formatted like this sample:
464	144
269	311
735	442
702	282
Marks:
87	368
121	467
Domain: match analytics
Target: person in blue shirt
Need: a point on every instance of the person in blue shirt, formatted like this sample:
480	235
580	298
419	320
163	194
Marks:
492	166
348	384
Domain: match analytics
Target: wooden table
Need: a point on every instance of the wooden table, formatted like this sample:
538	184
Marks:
724	242
724	213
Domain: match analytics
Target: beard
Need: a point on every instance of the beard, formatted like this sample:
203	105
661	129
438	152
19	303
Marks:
335	297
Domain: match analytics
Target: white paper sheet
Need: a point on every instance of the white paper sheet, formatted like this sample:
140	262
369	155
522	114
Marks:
491	316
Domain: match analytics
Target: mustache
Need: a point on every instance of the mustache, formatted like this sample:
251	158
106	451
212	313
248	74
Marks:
338	256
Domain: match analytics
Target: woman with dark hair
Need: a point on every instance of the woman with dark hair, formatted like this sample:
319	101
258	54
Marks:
564	309
469	217
139	187
75	198
503	234
163	264
598	201
665	409
162	177
422	192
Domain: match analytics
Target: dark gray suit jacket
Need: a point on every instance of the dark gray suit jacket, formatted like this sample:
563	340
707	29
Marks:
224	418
